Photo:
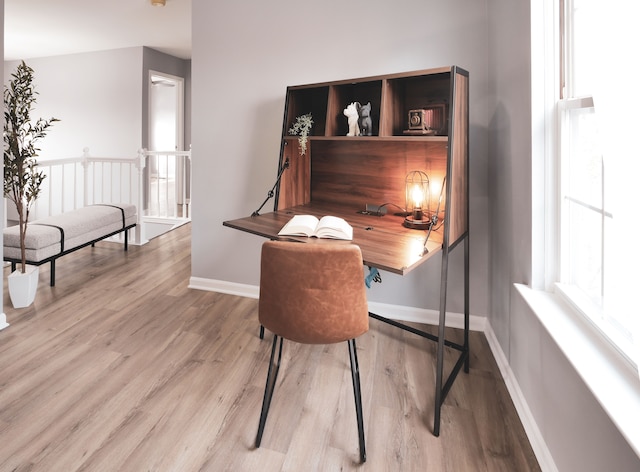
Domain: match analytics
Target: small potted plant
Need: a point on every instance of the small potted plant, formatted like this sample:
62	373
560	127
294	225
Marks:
22	179
301	128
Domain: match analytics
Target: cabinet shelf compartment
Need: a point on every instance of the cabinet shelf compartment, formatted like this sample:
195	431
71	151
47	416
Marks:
342	95
303	100
404	94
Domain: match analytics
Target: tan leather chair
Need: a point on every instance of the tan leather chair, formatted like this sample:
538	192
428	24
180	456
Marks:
313	294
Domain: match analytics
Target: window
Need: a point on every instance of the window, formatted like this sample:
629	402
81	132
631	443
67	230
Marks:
594	154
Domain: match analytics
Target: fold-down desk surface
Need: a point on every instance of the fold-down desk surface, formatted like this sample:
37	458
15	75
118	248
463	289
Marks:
384	242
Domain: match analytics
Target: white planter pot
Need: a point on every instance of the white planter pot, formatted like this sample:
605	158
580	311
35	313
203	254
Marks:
22	287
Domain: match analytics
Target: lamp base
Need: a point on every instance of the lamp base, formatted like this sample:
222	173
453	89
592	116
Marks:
411	222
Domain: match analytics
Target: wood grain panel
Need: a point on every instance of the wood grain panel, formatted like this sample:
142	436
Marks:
334	108
384	242
458	179
357	172
294	184
386	114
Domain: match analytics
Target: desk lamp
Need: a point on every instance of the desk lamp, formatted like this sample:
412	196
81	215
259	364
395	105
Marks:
417	197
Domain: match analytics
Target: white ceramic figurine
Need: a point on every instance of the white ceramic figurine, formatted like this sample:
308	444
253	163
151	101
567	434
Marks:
351	112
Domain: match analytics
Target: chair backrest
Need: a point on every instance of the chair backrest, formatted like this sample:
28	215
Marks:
313	293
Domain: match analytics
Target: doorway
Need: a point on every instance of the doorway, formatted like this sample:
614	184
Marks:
167	169
166	112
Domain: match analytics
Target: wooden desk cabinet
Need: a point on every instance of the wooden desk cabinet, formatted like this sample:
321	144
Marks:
343	174
359	170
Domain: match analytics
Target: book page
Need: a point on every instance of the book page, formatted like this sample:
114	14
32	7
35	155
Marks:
300	225
334	227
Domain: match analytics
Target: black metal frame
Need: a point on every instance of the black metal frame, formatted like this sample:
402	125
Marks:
463	359
272	375
270	385
52	259
442	389
357	394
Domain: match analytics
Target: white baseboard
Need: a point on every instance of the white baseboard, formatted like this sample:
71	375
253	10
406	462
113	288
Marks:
395	312
421	315
222	286
3	321
538	444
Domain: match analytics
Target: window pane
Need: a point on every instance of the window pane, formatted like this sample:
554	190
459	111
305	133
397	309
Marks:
585	246
584	172
583	210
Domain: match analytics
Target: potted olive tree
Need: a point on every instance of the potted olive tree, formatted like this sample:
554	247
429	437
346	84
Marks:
22	179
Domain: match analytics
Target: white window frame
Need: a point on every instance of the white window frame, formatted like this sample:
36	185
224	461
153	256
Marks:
610	377
557	275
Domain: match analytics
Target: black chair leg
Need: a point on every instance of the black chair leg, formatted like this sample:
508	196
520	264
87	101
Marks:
355	377
261	332
272	375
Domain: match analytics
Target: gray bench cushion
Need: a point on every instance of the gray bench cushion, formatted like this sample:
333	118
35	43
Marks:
80	226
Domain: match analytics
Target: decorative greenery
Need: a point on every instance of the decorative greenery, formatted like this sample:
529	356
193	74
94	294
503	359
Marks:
22	180
301	128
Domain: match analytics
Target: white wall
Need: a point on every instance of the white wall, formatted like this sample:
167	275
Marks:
100	98
243	60
578	433
509	163
97	97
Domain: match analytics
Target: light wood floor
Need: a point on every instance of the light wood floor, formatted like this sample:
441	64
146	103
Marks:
121	367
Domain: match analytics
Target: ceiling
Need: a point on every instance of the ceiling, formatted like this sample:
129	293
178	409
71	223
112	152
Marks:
40	28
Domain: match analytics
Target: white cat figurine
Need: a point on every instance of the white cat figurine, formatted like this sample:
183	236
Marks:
351	112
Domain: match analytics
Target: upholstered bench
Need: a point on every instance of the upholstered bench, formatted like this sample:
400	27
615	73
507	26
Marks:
50	238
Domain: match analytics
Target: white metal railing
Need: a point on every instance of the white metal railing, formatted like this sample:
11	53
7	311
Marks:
158	183
169	184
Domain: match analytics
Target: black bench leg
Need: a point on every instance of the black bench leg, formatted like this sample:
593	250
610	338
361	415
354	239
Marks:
52	282
13	267
126	239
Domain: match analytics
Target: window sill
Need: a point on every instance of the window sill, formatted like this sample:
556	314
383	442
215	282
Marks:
607	374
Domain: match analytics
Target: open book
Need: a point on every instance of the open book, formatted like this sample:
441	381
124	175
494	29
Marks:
326	227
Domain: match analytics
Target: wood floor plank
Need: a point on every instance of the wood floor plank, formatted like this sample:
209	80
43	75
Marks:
122	367
324	416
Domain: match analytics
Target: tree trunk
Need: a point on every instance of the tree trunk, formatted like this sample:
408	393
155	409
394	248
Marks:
23	233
